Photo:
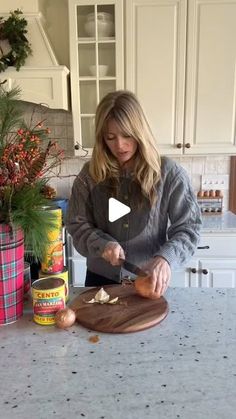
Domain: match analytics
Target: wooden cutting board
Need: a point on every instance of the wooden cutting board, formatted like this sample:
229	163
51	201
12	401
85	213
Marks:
132	314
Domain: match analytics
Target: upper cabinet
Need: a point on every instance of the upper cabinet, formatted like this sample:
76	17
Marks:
96	61
181	63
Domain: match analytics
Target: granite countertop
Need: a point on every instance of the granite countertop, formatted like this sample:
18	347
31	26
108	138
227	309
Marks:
185	367
224	223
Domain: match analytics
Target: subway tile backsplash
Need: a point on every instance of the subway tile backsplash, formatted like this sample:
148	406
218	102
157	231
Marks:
60	124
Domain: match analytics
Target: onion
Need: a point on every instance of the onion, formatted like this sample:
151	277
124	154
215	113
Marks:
145	287
65	318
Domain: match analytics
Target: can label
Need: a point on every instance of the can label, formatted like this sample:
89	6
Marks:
53	260
63	275
48	297
55	232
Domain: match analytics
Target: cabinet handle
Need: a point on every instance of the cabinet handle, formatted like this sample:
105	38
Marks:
205	271
179	145
203	247
77	147
193	270
188	145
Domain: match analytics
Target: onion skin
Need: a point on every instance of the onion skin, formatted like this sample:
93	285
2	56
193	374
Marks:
65	318
145	287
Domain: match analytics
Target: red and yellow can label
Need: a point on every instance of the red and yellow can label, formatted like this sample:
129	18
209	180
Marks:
48	297
53	261
63	275
55	233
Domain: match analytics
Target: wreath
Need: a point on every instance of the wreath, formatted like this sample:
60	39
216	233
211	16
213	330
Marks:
14	46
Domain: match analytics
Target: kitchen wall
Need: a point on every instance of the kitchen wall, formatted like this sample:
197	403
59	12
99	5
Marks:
60	123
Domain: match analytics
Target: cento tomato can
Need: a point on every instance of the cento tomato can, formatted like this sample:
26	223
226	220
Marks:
63	275
48	296
53	261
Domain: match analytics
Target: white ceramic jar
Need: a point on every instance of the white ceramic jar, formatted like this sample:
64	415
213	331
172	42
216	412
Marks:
105	24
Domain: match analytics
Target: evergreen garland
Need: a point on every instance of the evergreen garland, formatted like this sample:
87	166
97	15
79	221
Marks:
14	30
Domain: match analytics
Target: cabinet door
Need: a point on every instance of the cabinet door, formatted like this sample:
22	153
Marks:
78	272
217	273
76	263
211	77
186	277
155	65
213	244
96	57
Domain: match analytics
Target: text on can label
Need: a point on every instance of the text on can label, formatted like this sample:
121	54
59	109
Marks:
50	294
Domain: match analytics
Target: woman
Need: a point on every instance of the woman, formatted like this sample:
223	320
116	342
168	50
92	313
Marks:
161	231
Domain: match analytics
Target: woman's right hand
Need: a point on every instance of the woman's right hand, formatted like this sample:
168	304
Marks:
112	253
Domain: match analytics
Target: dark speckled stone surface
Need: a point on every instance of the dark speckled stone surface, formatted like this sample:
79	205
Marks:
185	367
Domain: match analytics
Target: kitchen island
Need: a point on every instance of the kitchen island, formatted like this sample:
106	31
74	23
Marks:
185	367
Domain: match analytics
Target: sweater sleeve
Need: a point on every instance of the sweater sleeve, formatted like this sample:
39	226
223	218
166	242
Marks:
184	214
88	240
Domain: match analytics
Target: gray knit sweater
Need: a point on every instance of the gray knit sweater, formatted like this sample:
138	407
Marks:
169	229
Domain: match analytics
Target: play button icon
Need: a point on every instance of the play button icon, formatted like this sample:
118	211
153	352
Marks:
116	209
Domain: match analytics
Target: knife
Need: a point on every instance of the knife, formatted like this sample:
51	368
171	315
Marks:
134	269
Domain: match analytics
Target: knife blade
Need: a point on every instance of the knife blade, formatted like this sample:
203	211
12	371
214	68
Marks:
131	267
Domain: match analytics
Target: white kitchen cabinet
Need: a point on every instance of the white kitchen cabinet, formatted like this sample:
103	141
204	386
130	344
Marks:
155	65
217	273
96	40
213	265
180	61
76	264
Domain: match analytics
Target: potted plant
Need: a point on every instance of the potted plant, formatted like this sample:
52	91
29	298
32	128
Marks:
27	158
14	46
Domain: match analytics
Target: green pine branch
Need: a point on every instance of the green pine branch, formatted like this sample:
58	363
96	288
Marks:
30	210
11	114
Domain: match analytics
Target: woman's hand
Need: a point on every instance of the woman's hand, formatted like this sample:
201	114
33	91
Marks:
112	253
160	273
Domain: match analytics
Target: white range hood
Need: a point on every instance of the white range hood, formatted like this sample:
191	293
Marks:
41	79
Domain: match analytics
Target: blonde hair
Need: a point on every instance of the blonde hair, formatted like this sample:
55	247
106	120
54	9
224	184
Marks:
124	108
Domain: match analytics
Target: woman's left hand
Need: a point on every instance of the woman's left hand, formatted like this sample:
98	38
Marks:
160	273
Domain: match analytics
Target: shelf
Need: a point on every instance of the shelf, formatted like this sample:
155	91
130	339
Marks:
89	78
92	40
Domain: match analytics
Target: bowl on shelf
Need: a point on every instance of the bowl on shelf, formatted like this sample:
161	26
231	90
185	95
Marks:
105	24
102	70
100	16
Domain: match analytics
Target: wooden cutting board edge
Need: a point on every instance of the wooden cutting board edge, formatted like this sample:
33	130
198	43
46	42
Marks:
118	329
127	330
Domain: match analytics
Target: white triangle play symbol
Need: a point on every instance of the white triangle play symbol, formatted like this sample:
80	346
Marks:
116	209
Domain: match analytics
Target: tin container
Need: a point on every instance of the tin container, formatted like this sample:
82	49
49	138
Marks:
63	275
55	233
48	297
53	261
11	273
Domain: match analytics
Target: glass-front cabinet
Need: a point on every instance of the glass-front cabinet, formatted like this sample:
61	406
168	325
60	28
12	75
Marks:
96	61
